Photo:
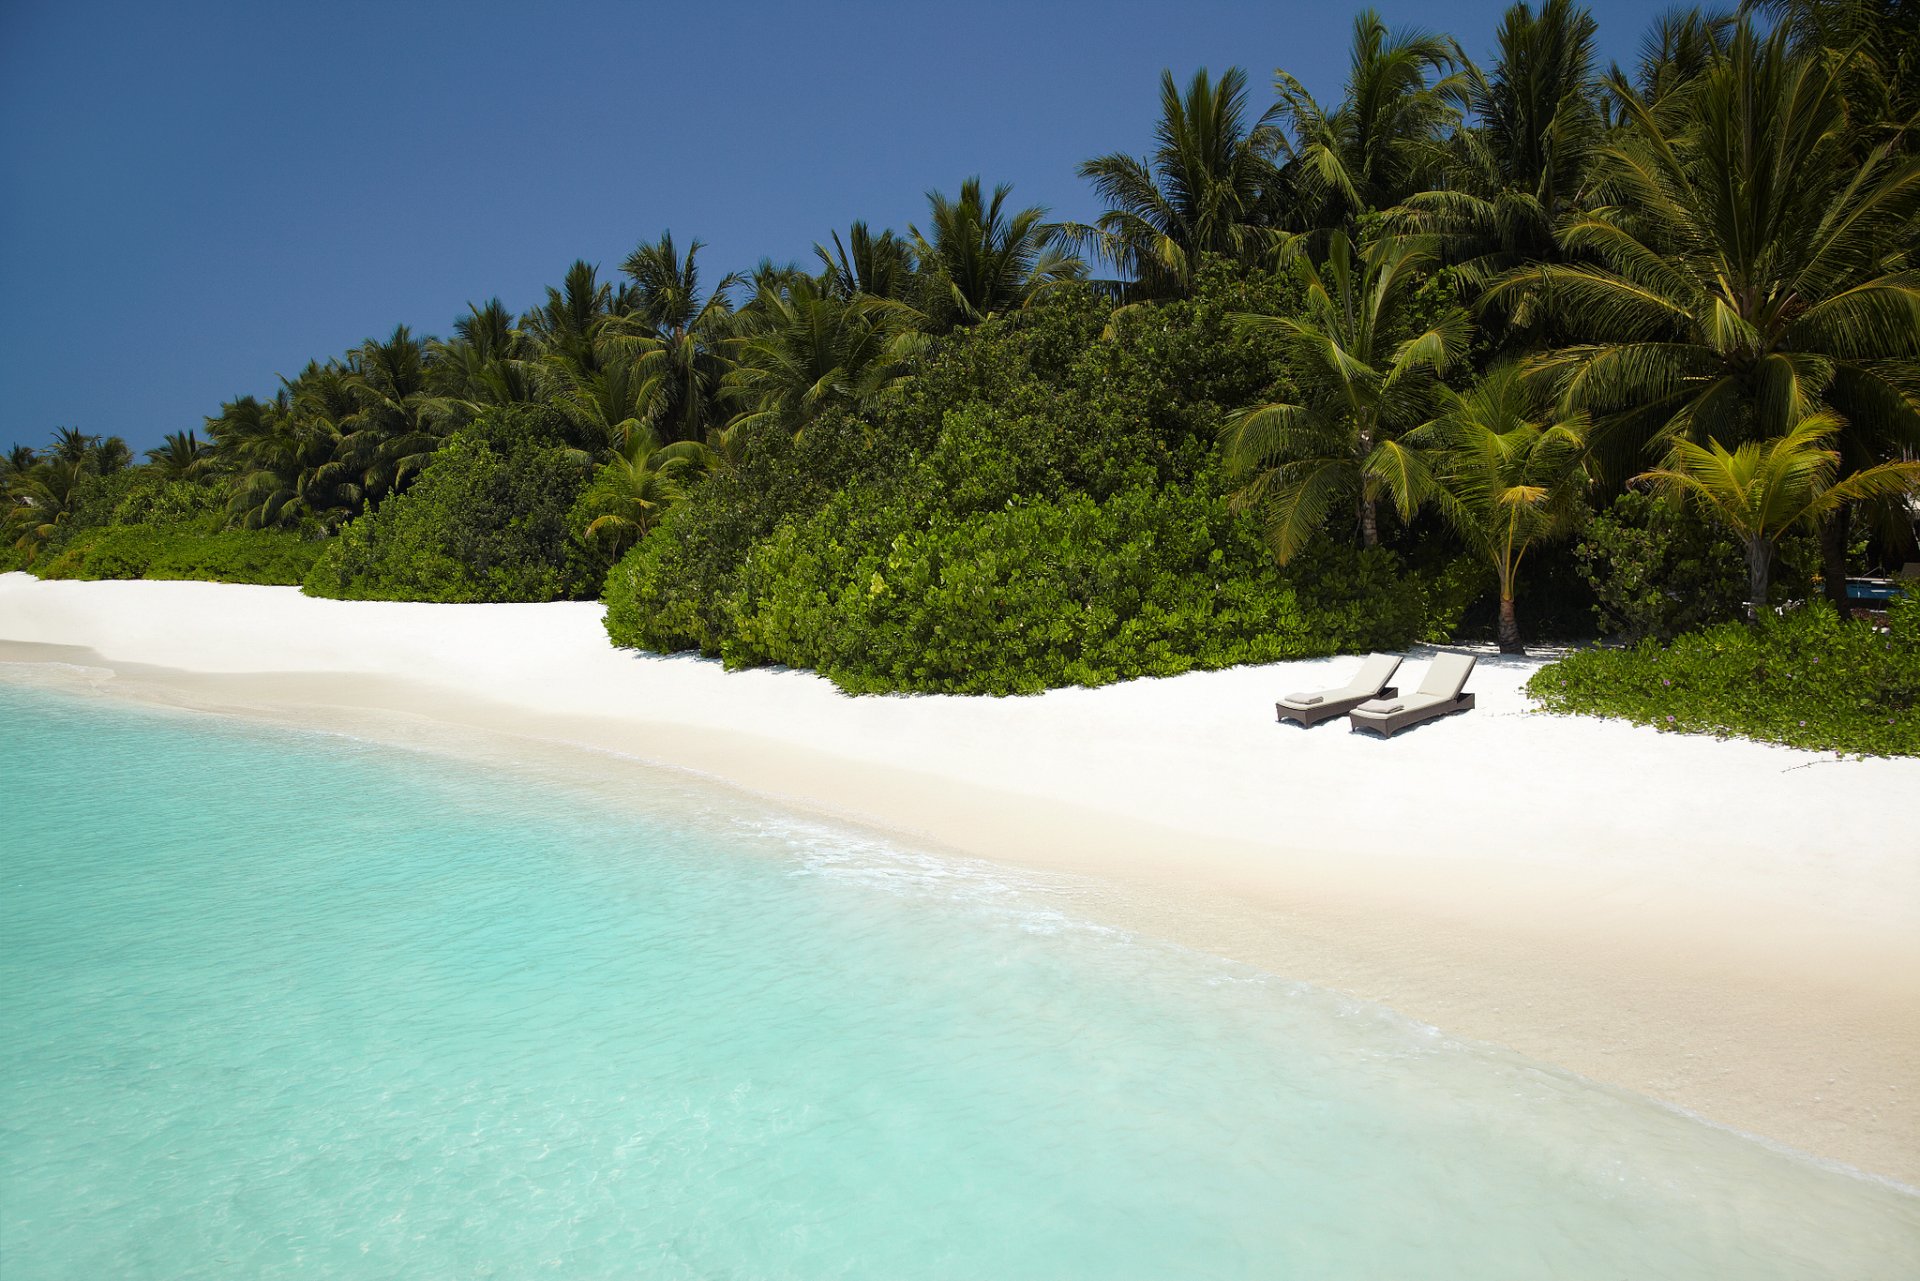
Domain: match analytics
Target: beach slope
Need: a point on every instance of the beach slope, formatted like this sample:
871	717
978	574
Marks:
1729	927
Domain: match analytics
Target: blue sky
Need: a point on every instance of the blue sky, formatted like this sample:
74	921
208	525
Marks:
196	198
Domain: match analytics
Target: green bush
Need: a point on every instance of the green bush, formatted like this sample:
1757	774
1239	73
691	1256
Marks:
144	551
1038	504
1806	679
1658	570
487	520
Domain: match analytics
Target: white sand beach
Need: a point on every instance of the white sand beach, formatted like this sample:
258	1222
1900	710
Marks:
1728	927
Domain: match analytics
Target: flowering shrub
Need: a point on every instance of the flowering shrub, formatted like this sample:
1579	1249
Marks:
1806	679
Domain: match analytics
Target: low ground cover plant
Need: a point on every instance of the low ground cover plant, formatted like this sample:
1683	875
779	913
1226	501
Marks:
1806	679
142	551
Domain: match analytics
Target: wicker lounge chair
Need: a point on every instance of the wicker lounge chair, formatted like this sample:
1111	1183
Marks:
1440	694
1369	682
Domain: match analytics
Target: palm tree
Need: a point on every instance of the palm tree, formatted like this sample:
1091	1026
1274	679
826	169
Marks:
1746	271
397	422
1680	47
43	499
679	338
1386	140
1208	187
1365	365
981	258
18	460
805	348
635	488
183	456
1506	476
1762	490
870	266
1881	43
1538	124
488	361
563	330
289	453
71	445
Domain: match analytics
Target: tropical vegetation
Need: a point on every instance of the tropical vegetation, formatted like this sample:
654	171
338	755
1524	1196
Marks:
1465	351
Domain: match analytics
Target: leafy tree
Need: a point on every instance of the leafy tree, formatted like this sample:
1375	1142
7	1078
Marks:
489	361
1209	187
1365	362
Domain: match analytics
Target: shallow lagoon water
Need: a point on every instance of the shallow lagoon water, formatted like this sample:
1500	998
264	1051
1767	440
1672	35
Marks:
287	1004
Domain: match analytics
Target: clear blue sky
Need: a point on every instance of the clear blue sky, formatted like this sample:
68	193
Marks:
197	197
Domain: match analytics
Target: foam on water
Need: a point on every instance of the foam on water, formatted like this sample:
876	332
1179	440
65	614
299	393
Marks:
289	1005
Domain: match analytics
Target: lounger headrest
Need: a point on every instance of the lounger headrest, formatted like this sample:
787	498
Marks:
1376	671
1447	674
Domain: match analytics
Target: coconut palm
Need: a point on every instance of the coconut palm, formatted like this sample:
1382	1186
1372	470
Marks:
1745	271
1209	186
564	330
1761	490
1386	139
397	421
980	258
679	337
866	265
1880	40
635	488
1507	473
288	453
488	361
1365	364
71	445
42	499
181	456
1537	126
1680	47
805	348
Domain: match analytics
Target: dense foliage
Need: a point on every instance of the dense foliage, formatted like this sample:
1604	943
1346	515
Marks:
1806	678
144	551
1657	570
490	519
1359	362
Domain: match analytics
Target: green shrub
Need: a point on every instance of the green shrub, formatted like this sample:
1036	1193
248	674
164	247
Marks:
1658	570
144	551
1806	679
1153	581
487	520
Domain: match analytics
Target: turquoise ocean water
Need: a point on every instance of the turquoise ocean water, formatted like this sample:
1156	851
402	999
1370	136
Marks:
277	1004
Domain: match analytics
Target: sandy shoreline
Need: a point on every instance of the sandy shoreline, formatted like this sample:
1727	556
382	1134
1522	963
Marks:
1741	939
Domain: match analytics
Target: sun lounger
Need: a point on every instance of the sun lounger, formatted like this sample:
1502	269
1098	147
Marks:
1440	694
1369	682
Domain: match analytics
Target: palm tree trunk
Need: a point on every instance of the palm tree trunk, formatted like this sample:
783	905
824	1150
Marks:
1836	531
1509	627
1369	521
1759	561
